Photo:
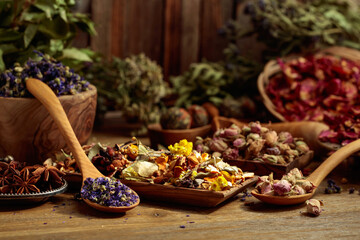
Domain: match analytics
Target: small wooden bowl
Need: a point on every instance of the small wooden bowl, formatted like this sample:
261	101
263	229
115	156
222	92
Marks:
28	133
272	68
168	137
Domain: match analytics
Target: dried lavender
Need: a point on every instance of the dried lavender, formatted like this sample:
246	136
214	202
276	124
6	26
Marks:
108	192
61	79
332	187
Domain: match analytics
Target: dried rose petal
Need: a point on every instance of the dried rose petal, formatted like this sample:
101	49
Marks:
282	187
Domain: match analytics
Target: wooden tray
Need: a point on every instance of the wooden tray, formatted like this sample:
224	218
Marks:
168	193
262	168
186	196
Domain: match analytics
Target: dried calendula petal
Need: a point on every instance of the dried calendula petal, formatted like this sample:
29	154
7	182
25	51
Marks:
313	207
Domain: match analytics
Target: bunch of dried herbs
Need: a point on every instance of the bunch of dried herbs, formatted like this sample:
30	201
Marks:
47	26
289	26
133	85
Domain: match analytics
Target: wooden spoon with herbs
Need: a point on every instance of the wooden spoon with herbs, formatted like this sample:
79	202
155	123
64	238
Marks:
316	177
48	98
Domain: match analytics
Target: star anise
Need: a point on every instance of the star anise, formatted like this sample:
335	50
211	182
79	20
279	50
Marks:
25	183
50	176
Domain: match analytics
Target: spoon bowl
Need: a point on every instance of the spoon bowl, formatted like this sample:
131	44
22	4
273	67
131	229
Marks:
316	177
48	98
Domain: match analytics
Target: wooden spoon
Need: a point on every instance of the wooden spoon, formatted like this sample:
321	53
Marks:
48	98
316	177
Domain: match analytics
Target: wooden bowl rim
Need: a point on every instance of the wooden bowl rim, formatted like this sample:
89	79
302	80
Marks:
91	92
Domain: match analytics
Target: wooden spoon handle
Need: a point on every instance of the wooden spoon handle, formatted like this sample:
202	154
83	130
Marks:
51	102
331	162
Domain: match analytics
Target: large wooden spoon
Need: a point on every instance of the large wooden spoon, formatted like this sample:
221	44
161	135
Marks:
316	177
48	98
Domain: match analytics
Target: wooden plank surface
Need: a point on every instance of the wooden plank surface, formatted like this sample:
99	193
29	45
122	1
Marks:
63	217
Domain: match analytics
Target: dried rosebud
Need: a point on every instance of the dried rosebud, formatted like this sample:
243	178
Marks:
306	185
255	127
218	145
285	137
296	172
302	147
229	133
282	187
313	207
255	148
239	142
231	154
271	138
265	188
298	190
253	136
270	158
273	151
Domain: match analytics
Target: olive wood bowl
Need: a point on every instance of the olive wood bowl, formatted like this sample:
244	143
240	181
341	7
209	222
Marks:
28	133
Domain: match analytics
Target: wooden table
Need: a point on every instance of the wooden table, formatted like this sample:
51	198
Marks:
64	217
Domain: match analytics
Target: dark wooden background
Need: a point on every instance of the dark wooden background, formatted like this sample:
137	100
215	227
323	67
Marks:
174	33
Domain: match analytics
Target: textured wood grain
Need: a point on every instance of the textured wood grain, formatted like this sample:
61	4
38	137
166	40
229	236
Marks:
29	134
63	217
215	13
190	33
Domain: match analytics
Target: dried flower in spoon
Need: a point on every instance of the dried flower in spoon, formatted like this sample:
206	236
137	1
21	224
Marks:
108	192
293	183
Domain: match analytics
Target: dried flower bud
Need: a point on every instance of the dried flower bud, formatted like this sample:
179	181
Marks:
314	207
285	137
302	147
306	185
239	143
296	172
298	190
273	151
218	145
229	133
265	188
255	127
231	154
282	187
270	158
255	148
253	136
271	138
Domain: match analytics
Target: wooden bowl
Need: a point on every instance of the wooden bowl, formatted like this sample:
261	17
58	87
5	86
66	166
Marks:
168	137
28	133
272	68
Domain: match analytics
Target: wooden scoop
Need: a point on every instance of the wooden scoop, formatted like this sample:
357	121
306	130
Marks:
316	177
47	97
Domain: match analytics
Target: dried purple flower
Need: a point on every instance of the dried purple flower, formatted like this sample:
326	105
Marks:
239	143
108	192
231	154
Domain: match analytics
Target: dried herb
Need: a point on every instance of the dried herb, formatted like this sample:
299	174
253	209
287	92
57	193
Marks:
47	26
253	142
17	178
108	192
290	26
60	78
133	85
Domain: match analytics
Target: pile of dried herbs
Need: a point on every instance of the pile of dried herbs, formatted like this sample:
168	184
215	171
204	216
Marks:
134	85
